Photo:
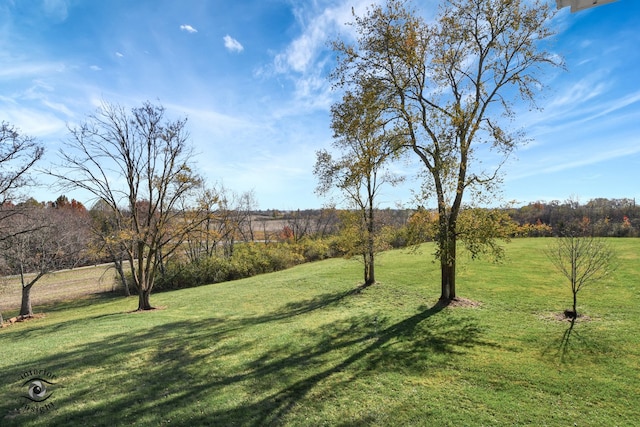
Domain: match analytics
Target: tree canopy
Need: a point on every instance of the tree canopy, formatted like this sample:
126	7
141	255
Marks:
366	146
450	86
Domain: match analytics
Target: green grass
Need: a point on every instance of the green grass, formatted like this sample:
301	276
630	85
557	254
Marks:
299	347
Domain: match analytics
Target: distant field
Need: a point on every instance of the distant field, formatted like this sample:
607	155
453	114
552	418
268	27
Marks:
62	285
302	347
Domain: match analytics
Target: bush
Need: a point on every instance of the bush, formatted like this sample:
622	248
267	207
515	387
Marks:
315	249
248	260
186	275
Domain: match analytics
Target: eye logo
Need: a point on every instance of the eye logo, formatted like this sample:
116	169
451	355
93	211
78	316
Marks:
37	389
39	384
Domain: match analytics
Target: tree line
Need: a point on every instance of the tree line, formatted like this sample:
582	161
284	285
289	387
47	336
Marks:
600	217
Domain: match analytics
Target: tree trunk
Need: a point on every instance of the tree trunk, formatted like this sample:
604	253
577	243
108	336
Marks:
123	278
365	268
25	307
143	300
575	304
369	276
448	269
372	277
160	261
448	283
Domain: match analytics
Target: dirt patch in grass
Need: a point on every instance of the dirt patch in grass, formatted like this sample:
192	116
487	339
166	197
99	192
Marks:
18	319
160	307
562	317
464	302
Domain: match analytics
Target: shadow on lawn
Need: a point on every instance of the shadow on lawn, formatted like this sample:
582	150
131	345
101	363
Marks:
62	304
564	341
577	345
200	372
401	346
78	302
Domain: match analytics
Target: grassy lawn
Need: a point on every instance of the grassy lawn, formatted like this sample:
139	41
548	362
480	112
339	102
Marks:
300	347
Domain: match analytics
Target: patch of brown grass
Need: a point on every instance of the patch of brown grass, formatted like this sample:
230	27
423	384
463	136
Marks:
21	318
59	286
464	302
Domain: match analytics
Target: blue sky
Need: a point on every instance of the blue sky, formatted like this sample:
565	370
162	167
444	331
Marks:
251	77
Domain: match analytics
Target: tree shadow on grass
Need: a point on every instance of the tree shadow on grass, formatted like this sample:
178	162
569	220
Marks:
79	302
298	308
239	371
407	346
36	330
575	344
563	348
64	304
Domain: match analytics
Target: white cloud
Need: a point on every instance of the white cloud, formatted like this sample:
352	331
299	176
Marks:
571	113
19	70
33	122
58	107
579	158
306	59
319	27
304	50
578	93
188	28
211	121
95	68
232	44
614	105
119	55
575	104
56	9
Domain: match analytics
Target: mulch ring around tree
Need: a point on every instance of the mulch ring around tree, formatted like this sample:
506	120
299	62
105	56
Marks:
22	318
569	316
154	308
566	316
464	302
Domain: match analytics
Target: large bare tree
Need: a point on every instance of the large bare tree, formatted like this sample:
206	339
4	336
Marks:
46	239
138	163
450	85
107	239
18	154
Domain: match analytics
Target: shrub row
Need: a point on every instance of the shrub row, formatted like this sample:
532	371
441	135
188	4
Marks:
248	259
